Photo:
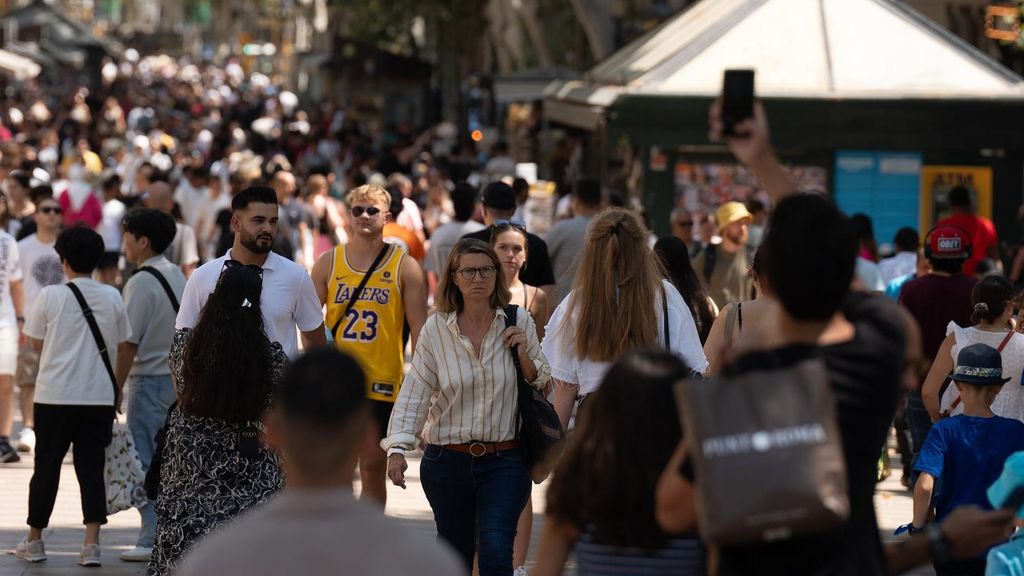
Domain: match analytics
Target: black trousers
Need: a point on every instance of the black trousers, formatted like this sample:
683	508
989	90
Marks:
57	428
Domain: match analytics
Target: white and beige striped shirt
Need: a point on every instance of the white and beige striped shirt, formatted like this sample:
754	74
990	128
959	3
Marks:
455	397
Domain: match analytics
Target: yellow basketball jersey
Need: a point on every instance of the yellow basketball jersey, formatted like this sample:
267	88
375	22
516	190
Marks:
372	329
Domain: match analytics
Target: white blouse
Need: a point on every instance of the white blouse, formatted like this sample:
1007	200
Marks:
453	396
567	367
1009	403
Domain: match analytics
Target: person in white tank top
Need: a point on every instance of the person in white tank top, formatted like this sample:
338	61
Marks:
992	298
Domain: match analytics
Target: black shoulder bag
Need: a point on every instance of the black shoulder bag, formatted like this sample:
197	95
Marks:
354	297
98	336
540	431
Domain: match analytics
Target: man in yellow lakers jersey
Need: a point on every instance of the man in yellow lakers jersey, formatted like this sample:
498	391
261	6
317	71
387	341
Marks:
367	322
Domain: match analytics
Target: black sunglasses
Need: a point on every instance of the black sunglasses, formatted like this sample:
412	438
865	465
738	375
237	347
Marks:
51	210
370	211
518	225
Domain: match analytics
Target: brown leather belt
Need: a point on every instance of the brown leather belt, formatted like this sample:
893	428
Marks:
478	449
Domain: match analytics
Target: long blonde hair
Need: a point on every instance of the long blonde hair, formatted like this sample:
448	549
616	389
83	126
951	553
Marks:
617	286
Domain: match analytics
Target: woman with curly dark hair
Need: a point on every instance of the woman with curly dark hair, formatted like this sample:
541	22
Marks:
601	501
215	465
675	258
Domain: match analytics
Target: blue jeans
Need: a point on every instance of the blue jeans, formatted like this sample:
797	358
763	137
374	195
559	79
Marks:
149	398
477	499
918	423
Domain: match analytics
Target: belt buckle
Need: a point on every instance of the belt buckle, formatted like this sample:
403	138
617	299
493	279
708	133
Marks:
473	446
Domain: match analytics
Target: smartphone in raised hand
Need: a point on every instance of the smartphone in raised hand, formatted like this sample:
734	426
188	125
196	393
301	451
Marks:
737	100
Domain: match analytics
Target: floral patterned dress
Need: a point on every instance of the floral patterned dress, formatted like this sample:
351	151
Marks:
204	481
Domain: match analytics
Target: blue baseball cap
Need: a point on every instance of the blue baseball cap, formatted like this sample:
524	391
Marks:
1011	480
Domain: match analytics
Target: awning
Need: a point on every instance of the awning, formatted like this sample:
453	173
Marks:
801	49
18	67
809	49
529	85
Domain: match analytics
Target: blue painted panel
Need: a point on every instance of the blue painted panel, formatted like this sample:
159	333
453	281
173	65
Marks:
884	185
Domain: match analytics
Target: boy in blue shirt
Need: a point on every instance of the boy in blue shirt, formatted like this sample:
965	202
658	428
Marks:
964	455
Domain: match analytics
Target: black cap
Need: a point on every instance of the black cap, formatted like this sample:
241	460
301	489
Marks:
499	196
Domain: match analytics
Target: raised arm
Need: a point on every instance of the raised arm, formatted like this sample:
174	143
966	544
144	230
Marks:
754	150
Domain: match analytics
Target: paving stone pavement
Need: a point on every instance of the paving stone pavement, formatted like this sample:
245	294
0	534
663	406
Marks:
63	537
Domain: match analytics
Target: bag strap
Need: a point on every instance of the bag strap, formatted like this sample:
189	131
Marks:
956	401
1005	341
730	321
355	293
163	282
710	255
664	319
96	334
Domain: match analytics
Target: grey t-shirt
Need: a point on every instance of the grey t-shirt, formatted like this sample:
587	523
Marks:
565	243
318	532
152	316
443	240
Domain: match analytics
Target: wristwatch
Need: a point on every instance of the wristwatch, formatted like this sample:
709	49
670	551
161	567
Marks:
938	545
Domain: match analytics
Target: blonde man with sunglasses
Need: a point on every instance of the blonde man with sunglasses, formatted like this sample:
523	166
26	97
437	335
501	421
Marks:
371	290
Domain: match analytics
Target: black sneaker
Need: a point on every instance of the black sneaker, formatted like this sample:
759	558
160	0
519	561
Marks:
8	454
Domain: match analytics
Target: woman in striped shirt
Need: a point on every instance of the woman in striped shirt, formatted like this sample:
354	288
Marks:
601	501
461	396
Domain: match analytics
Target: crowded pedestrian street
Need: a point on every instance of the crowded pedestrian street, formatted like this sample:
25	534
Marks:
512	288
892	501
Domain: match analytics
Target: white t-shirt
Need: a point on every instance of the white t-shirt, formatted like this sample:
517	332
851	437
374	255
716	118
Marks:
288	299
71	370
110	226
565	366
190	200
10	271
40	267
869	275
184	249
901	264
410	217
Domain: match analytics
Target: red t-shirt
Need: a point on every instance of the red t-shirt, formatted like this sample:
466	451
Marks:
982	233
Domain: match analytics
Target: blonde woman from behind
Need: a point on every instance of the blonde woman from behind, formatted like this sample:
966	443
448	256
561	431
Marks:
618	303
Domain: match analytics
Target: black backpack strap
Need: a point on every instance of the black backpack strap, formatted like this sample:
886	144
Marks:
96	334
163	282
710	256
355	293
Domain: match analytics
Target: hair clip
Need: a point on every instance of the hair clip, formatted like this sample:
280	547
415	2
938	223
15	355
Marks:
981	307
246	303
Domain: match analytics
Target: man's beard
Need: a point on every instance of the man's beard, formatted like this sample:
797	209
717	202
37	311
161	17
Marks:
252	245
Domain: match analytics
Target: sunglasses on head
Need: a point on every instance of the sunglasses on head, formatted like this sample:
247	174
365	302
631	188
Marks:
51	210
517	224
370	211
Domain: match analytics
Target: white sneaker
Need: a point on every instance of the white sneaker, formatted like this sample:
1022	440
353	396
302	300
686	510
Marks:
521	571
33	551
90	555
137	554
26	440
